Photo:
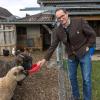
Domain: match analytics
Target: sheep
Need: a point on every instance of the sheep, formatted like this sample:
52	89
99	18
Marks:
9	81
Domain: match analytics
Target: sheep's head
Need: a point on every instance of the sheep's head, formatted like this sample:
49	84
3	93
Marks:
17	73
24	60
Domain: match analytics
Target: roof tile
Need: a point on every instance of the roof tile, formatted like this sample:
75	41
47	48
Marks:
38	18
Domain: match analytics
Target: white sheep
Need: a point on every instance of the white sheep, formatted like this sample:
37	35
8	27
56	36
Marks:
8	83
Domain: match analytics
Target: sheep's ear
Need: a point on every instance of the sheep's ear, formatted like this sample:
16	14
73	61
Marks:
15	73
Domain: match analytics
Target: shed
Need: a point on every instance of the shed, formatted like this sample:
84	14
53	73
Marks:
33	31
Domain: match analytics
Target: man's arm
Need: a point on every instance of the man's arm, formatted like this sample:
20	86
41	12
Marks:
48	54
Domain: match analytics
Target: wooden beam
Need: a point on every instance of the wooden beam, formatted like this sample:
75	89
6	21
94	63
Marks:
7	30
47	28
93	18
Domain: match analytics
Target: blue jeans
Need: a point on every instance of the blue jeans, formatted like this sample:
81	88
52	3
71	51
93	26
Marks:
86	67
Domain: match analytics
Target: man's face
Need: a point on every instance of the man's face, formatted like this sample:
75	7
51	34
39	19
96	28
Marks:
62	17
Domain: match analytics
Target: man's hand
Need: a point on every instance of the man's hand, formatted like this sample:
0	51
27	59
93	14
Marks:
87	48
42	62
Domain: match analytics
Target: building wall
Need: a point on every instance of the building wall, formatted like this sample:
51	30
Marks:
33	38
33	31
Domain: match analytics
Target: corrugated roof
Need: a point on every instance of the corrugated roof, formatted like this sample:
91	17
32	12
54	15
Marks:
75	7
4	12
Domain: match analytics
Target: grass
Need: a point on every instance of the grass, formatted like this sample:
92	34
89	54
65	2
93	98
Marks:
95	80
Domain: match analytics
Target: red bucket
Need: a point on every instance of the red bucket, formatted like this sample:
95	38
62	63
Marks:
34	68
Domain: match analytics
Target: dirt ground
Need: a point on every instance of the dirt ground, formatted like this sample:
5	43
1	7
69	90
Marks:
42	85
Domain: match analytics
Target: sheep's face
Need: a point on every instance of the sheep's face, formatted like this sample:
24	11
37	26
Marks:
24	60
17	73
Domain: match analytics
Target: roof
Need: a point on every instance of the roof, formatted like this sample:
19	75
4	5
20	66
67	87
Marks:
67	1
4	13
40	18
75	7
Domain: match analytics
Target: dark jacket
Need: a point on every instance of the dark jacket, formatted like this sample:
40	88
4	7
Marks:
81	35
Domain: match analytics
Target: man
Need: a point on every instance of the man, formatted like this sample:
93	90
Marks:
78	37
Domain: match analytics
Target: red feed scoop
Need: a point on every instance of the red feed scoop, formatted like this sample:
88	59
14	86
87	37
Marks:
34	68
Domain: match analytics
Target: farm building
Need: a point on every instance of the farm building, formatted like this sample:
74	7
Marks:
29	32
23	33
34	31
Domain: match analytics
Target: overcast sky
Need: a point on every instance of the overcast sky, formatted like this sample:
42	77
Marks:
14	6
